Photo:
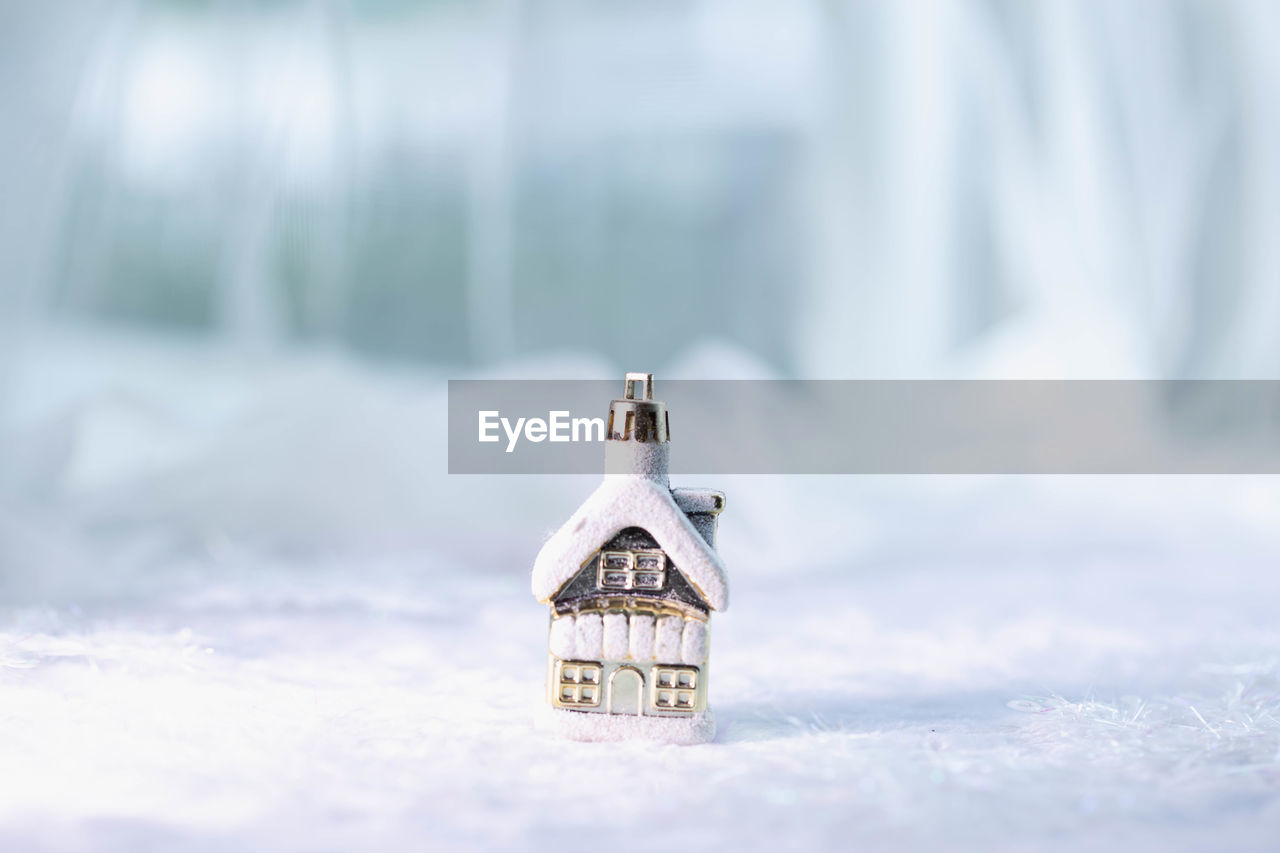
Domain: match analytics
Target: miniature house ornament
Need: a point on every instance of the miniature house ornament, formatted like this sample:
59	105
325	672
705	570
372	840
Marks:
631	580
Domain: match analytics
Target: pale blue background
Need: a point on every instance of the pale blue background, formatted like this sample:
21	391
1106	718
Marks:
841	189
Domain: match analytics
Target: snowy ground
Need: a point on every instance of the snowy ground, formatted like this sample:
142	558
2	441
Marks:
245	608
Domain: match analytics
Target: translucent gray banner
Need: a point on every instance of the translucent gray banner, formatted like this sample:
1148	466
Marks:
881	427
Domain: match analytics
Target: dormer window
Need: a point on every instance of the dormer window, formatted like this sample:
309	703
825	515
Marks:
630	570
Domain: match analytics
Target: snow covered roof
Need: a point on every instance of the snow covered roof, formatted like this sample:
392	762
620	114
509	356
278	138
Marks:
622	502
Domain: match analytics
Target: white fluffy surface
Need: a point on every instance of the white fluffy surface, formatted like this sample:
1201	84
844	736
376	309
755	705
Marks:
693	730
244	610
339	706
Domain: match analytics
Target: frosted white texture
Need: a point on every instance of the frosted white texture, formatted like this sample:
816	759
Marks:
588	636
693	645
683	731
616	636
564	639
642	634
666	643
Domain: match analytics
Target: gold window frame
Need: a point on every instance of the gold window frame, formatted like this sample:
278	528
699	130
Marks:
674	688
622	570
578	684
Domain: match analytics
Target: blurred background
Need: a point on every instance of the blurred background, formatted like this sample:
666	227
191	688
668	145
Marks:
838	189
243	245
242	242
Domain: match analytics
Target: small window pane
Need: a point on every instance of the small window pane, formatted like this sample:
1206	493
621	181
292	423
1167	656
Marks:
578	684
644	570
675	688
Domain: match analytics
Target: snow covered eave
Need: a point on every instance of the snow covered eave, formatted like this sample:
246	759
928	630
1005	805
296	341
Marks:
621	502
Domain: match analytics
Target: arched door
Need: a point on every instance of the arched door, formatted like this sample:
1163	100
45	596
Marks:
626	692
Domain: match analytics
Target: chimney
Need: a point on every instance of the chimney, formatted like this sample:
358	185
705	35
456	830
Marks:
638	431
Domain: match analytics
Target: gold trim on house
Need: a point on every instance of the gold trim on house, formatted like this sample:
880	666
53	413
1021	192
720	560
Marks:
633	604
669	689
